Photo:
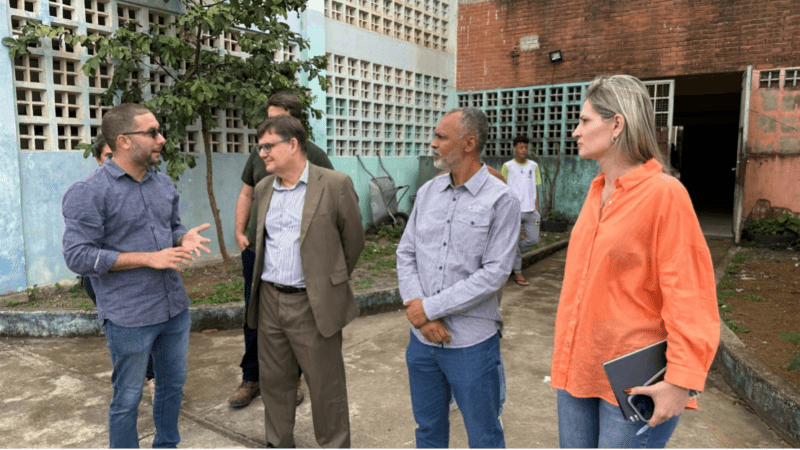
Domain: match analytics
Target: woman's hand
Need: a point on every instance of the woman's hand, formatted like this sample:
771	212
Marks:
670	400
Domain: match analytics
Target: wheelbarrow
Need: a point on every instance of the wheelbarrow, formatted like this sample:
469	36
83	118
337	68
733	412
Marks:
383	197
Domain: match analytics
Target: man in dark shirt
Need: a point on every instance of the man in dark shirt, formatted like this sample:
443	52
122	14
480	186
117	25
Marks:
281	103
122	229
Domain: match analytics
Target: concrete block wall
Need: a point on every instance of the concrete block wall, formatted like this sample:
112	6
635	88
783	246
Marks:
648	39
772	169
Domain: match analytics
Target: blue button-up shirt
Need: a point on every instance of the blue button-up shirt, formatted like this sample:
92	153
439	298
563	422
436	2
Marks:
282	263
109	213
456	253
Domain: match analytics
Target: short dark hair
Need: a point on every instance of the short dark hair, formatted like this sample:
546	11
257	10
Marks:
287	101
98	146
521	138
287	127
121	119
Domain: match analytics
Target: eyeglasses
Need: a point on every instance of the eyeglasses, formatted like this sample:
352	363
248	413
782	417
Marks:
153	132
267	147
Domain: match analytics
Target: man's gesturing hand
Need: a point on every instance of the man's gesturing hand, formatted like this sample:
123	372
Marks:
169	258
192	241
415	313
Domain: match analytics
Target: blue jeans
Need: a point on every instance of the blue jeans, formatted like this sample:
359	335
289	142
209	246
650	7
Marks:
130	348
471	374
595	423
501	370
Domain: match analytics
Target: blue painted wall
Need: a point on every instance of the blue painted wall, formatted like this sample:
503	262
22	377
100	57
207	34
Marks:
45	177
12	245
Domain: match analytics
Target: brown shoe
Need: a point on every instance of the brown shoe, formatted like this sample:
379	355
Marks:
244	394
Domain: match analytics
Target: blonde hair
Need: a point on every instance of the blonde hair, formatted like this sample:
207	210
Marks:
627	96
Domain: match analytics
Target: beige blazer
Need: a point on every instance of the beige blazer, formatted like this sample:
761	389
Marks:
331	239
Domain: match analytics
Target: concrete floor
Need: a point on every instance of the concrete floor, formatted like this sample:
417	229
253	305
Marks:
716	224
56	391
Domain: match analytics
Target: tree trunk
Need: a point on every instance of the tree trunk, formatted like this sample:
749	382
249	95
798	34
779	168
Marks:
210	188
552	193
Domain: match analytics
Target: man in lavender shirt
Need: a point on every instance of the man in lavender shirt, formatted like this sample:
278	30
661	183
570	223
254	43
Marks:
453	259
123	231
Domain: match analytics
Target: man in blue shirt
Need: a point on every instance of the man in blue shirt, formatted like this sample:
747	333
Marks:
452	261
123	231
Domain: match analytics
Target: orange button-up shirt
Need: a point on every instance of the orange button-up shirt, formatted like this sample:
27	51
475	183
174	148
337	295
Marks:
638	271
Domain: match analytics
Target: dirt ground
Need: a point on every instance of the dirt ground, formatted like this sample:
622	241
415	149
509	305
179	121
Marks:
765	300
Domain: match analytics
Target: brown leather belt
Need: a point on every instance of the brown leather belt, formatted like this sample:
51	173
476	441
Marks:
287	289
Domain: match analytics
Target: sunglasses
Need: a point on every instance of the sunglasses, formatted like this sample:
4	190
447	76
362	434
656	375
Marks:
153	132
267	147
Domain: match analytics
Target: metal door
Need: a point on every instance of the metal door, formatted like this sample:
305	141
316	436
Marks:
741	153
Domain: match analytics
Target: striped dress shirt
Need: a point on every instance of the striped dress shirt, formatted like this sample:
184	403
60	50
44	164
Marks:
282	263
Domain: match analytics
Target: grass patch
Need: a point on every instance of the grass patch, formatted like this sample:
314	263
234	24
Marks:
791	337
382	264
726	289
740	258
364	283
794	338
753	297
373	252
223	293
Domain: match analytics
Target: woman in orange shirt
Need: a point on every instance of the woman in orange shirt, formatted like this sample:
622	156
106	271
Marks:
638	271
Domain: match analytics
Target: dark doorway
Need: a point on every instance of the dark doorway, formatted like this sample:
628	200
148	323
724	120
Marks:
707	107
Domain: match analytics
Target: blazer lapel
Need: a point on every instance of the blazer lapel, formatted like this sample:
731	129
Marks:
313	196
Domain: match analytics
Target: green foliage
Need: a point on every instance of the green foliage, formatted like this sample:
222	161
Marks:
59	287
735	327
756	298
32	291
373	252
201	78
794	338
791	337
556	216
740	258
364	283
223	293
786	224
748	244
393	232
794	364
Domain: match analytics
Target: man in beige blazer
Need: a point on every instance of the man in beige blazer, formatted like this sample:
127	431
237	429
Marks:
308	239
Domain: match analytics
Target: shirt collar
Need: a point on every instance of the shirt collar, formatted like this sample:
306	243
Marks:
303	179
473	185
634	177
117	172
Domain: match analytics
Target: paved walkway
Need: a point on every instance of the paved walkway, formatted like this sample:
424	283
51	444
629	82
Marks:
56	391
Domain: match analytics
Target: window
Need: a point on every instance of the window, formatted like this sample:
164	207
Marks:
769	79
792	79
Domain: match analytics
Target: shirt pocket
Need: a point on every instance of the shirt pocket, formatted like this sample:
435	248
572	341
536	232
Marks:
469	235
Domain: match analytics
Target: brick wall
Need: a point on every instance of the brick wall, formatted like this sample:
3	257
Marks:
645	38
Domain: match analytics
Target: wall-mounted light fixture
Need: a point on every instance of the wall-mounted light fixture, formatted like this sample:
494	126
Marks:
556	56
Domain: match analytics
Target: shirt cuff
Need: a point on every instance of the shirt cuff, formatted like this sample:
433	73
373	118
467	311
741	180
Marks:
105	260
685	377
176	235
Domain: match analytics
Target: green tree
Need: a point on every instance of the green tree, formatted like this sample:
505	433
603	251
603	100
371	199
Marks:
200	78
